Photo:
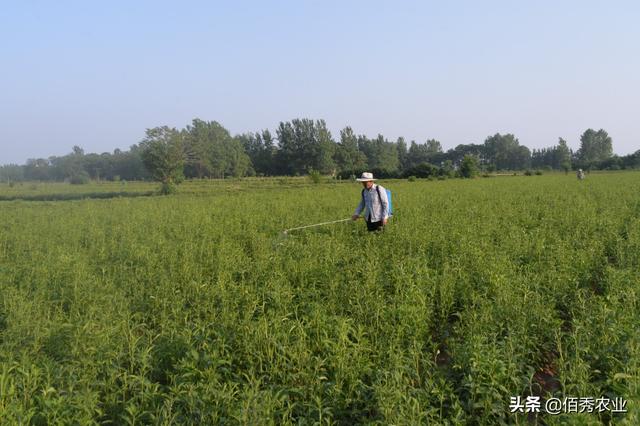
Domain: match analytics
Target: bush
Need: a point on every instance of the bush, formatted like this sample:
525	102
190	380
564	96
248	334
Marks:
469	166
80	178
528	173
167	188
385	174
442	177
422	170
411	178
349	174
538	172
447	169
315	176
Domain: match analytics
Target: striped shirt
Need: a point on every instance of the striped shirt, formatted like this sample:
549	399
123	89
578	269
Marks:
377	208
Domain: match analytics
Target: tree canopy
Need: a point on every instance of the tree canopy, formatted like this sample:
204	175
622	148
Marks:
206	149
595	147
163	155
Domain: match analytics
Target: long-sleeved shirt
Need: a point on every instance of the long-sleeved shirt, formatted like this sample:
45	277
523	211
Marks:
377	208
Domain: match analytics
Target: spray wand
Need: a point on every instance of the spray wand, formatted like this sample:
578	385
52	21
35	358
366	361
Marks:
286	231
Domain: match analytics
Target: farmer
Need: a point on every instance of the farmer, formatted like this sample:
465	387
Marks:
580	174
374	200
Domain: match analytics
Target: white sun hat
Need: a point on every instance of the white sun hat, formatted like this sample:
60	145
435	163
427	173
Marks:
366	176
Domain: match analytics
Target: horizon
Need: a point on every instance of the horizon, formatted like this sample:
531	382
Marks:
98	75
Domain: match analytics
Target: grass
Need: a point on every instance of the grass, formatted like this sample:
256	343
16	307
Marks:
192	309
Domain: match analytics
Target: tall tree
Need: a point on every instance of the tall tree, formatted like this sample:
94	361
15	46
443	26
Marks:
11	173
631	161
253	147
595	147
163	156
325	149
417	154
268	153
198	149
289	156
212	152
305	145
562	157
38	169
401	146
128	165
238	162
504	152
433	146
456	155
556	157
348	154
429	152
381	154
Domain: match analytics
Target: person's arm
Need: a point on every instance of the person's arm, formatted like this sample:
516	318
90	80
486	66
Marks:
385	204
359	209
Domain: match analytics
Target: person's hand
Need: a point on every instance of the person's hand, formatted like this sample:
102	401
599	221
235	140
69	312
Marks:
384	221
355	217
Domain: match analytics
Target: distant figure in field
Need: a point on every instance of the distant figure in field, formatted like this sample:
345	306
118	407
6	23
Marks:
374	200
580	174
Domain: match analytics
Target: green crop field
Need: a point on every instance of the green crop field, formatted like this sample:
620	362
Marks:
195	308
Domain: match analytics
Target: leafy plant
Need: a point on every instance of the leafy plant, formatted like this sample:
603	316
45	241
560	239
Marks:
80	178
469	166
180	310
163	156
315	176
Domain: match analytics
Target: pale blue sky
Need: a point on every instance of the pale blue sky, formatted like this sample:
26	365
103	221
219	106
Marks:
96	74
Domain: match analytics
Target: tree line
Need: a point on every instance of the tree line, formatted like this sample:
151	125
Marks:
205	149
